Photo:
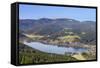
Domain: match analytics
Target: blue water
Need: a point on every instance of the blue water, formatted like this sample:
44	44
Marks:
54	48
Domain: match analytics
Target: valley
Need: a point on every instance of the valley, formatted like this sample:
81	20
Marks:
56	40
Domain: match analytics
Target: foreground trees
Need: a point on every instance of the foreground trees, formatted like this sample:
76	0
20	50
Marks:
29	55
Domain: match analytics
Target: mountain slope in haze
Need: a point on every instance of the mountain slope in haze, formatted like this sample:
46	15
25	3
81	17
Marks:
59	27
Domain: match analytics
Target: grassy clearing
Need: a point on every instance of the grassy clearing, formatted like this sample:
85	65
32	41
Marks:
79	57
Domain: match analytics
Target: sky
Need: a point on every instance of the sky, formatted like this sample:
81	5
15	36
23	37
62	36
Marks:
53	12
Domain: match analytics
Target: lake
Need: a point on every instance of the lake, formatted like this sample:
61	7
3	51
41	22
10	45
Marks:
54	48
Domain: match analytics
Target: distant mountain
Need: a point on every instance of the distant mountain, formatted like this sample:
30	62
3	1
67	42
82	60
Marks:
43	25
58	27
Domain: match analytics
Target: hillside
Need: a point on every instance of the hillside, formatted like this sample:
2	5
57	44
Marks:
60	27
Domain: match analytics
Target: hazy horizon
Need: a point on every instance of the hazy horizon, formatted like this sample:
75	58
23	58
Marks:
54	12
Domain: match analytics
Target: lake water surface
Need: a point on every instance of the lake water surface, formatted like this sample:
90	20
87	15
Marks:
54	48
